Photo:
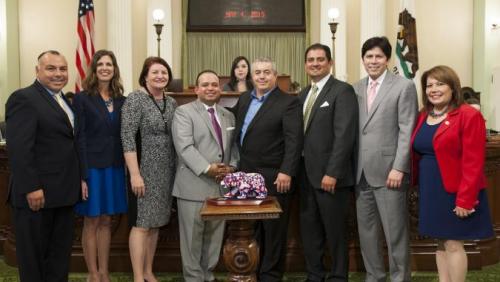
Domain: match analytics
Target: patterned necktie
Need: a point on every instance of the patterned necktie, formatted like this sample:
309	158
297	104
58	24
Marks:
309	104
217	128
64	107
372	92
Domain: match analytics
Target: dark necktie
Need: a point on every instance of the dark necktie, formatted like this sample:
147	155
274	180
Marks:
217	129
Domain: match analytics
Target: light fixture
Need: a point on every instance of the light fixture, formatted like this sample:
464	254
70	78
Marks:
333	14
158	15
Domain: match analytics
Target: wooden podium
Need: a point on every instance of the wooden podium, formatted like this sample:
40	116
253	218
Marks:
241	251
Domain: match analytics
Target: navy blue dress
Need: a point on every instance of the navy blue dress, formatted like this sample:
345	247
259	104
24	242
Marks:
436	216
106	187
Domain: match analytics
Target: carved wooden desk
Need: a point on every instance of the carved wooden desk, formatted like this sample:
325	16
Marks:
241	251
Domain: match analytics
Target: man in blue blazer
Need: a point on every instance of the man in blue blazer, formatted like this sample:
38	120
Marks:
45	175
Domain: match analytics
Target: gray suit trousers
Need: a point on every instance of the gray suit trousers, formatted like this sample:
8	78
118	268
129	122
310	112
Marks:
378	207
200	242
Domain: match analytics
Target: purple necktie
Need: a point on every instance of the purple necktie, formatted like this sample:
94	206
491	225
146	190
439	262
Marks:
217	129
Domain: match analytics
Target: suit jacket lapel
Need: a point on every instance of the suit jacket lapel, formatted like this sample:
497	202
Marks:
446	123
206	118
270	99
321	97
303	94
382	92
362	95
243	104
223	126
101	108
53	103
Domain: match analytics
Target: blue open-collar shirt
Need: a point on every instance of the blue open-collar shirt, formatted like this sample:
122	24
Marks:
255	104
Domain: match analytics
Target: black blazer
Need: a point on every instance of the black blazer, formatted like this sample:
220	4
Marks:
98	136
41	148
331	134
273	140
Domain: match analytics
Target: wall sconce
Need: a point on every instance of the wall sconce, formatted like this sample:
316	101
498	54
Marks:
158	15
333	14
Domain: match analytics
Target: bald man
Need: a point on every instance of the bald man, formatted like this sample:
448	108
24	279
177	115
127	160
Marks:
45	178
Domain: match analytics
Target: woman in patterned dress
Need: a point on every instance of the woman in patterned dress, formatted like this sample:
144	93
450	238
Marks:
98	111
150	157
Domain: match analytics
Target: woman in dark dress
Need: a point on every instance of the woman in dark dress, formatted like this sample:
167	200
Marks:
98	110
448	165
240	76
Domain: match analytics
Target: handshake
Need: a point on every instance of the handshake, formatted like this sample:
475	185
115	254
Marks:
217	171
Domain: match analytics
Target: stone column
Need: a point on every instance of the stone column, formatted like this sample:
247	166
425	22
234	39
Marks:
119	25
373	18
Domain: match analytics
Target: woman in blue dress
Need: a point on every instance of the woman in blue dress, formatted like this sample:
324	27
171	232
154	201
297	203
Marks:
448	165
98	111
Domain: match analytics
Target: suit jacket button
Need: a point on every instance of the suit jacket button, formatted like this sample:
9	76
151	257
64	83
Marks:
220	156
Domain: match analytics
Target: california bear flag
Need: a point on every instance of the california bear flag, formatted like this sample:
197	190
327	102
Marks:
406	45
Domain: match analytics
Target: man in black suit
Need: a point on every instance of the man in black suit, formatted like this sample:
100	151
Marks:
327	169
45	177
269	134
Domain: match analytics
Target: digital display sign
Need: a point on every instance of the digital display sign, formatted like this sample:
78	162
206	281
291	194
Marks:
246	15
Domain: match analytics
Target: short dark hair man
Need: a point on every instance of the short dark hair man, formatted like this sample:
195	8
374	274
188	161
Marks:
203	135
45	175
387	114
327	173
269	134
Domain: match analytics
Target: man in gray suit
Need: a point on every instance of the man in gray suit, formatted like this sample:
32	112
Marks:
203	137
387	113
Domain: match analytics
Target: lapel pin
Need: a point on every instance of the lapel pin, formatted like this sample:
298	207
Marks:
447	122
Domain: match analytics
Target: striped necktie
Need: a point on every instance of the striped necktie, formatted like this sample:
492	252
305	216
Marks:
309	105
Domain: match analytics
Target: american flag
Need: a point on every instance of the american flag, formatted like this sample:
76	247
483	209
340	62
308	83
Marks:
85	48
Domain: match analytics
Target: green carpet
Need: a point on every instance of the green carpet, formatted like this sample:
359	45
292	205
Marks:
488	274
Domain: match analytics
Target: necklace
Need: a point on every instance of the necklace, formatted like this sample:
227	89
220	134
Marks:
108	103
161	110
438	114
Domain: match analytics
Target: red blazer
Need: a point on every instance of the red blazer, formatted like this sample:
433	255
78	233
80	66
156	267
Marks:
459	144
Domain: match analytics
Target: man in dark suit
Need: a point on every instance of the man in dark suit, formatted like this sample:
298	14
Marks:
45	177
327	169
269	133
